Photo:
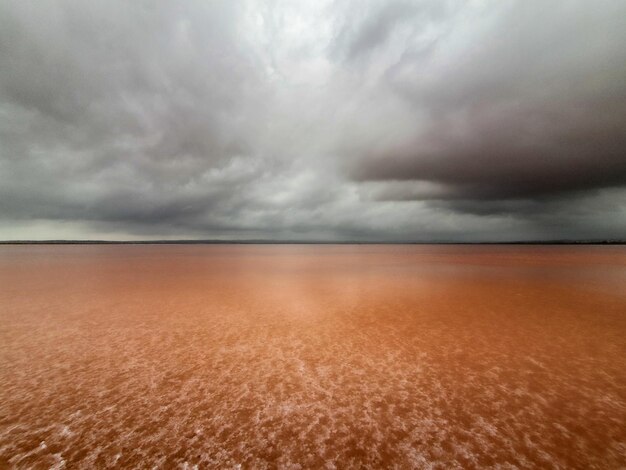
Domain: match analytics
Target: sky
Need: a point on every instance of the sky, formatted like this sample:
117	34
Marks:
369	120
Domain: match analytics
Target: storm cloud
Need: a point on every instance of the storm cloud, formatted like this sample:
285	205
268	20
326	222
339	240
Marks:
377	120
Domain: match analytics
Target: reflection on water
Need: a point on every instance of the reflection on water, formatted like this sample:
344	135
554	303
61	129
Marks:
312	356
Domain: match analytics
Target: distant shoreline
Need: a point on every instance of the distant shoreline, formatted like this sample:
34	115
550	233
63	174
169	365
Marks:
306	242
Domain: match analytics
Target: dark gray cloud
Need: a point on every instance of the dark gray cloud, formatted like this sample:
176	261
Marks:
389	120
535	106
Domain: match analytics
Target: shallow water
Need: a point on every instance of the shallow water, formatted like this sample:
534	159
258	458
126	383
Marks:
312	356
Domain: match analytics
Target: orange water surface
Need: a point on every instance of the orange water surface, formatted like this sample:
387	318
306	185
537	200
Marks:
312	356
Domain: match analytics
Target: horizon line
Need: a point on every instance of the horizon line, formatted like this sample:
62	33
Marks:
607	241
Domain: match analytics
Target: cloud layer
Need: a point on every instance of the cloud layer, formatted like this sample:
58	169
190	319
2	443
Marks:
379	120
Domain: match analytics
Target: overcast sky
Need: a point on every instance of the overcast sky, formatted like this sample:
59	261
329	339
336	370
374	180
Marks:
326	120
